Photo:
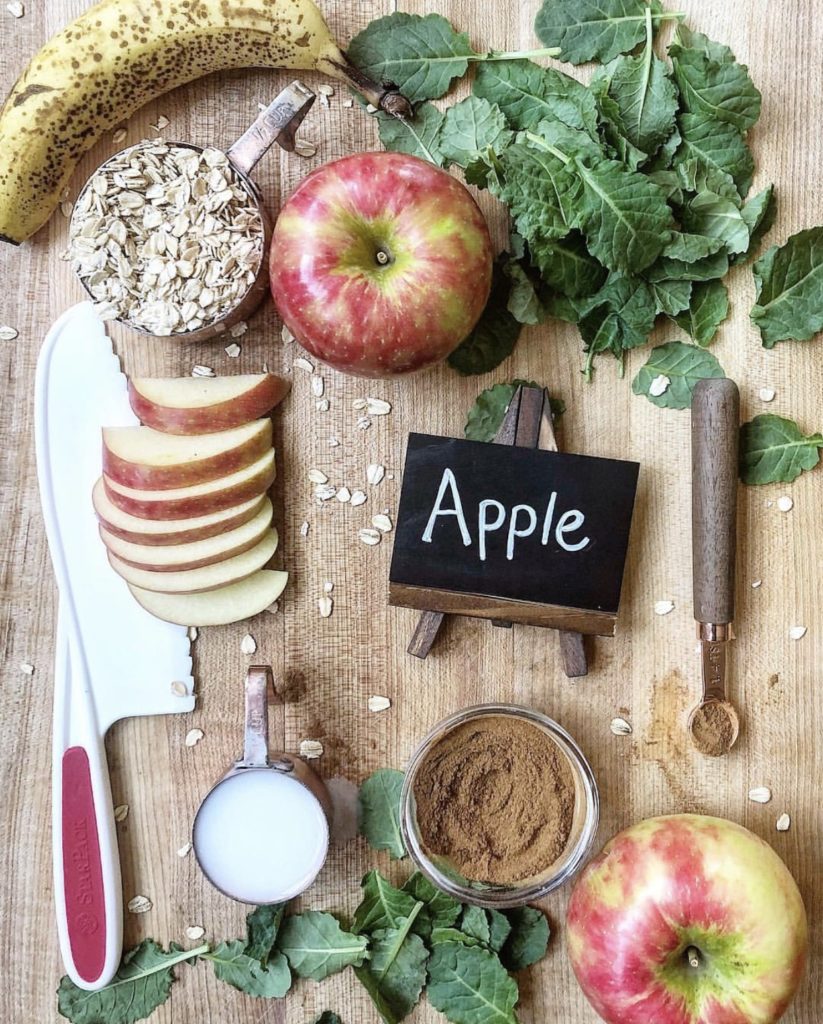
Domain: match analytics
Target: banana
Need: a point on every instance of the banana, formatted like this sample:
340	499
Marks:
119	55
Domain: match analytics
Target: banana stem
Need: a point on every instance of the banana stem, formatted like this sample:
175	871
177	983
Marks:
384	95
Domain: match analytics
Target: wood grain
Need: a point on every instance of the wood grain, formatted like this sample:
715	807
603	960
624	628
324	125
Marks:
327	668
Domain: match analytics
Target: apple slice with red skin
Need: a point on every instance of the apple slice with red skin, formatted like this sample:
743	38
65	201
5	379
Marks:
177	557
146	458
199	499
232	603
157	532
207	577
203	405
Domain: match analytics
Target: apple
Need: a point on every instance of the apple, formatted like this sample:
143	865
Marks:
199	499
168	531
149	459
231	603
207	577
203	405
176	557
687	920
380	264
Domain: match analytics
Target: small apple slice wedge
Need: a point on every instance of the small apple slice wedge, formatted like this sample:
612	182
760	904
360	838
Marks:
146	458
169	531
208	577
231	603
199	499
202	405
178	557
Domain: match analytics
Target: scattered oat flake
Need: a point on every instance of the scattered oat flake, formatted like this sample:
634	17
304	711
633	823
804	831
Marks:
121	812
322	405
179	688
233	350
16	9
139	905
783	823
620	727
193	634
239	329
369	536
334	442
760	794
378	407
119	135
27	669
273	608
371	108
304	529
325	492
797	632
193	737
363	423
328	586
659	386
66	207
348	103
286	335
195	932
317	476
325	90
318	386
358	498
382	522
756	584
767	394
303	364
184	850
390	476
311	748
248	645
202	371
663	607
344	495
325	606
7	333
785	503
375	473
304	148
359	403
379	703
161	124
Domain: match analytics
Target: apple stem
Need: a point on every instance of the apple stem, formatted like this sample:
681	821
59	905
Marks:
382	257
693	956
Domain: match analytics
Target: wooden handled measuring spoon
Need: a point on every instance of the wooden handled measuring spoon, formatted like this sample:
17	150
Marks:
713	724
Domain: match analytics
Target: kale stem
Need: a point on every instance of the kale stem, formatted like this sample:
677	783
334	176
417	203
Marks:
548	51
549	149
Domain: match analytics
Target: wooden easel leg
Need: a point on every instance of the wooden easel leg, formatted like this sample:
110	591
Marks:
573	652
425	633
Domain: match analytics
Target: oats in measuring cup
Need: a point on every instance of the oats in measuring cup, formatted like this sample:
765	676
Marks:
168	236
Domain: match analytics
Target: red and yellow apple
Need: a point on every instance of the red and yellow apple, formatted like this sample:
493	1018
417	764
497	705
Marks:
151	459
380	264
231	603
203	405
687	920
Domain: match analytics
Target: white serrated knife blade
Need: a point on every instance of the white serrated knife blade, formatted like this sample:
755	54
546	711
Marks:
113	659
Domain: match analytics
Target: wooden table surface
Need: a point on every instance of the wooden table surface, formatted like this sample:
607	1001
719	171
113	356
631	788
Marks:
327	668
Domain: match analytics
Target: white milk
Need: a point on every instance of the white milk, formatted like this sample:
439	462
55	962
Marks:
261	836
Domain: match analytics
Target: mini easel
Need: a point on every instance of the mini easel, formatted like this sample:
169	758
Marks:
527	424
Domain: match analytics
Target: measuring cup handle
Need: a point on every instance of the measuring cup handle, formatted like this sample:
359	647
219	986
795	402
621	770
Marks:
277	123
256	731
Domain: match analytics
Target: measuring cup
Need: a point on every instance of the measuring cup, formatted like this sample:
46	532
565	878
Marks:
277	123
261	834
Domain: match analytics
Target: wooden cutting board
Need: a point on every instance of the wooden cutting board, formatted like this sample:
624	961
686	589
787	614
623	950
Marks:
327	668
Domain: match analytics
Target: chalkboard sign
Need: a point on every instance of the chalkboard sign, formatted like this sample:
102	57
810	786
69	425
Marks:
514	533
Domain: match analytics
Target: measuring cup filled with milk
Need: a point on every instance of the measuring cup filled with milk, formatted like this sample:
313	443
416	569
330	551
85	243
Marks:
262	833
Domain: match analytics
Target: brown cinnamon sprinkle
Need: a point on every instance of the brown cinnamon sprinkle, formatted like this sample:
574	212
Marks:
496	797
712	729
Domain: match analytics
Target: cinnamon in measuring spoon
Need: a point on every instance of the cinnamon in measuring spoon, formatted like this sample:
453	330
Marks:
495	797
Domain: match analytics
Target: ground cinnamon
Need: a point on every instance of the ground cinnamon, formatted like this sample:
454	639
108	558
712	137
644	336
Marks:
712	729
495	796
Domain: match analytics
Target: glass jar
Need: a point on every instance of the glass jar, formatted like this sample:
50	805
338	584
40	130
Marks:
585	817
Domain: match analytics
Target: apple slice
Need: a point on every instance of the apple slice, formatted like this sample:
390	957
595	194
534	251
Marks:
202	405
232	603
199	499
169	531
177	557
207	577
146	458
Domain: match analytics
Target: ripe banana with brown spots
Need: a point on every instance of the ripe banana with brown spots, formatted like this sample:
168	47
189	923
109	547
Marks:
119	55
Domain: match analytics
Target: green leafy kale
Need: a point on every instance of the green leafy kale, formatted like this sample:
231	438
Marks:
789	289
775	450
316	946
382	906
233	965
594	29
708	308
528	939
470	127
669	376
469	984
420	137
720	88
494	336
379	809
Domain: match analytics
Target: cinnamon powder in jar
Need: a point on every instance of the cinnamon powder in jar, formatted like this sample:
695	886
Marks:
495	796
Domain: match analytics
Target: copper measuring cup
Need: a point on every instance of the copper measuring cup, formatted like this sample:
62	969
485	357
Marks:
271	835
277	123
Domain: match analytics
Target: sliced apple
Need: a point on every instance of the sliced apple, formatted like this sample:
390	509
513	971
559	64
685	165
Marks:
199	499
202	405
177	557
232	603
208	577
169	531
146	458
